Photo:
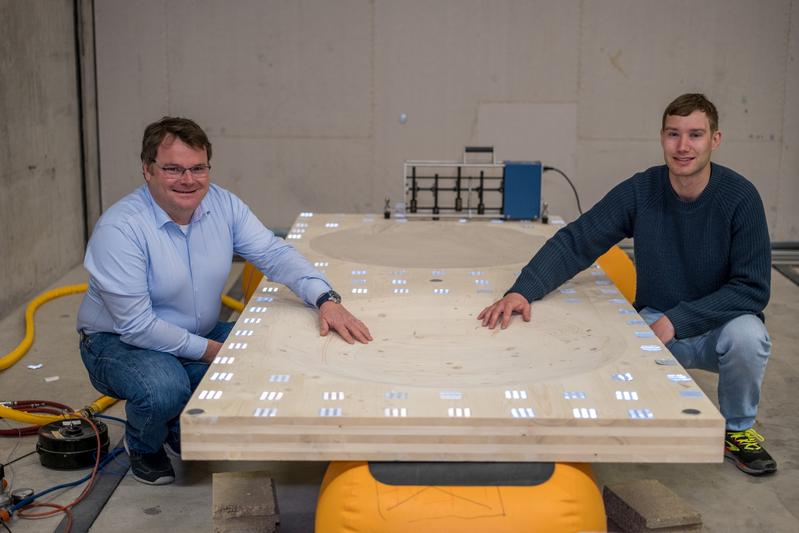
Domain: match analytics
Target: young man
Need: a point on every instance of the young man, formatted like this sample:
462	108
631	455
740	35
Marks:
703	264
158	261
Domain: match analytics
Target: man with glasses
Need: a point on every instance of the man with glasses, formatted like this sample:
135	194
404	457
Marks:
158	261
703	264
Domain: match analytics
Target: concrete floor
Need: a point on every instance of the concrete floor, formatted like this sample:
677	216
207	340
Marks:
727	499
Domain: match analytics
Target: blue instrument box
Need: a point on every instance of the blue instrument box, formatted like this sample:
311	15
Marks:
521	196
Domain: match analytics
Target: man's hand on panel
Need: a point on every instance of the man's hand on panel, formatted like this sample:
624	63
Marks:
503	309
336	317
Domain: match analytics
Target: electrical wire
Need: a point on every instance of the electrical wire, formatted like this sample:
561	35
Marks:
25	505
58	509
103	463
10	474
19	458
576	196
114	418
41	413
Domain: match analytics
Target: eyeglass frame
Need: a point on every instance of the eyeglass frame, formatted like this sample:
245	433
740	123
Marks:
206	170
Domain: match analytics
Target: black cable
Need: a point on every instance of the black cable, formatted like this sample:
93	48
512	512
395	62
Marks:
108	417
576	196
3	523
20	457
102	464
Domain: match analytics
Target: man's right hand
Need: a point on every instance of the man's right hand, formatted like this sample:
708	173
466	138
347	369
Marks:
513	302
211	351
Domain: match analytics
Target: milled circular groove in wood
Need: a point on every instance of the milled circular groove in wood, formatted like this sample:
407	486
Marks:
451	245
691	411
195	411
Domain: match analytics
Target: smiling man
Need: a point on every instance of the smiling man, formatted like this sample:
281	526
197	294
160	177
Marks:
158	261
703	265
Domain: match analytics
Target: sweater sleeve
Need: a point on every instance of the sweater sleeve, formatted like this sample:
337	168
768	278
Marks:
748	287
575	247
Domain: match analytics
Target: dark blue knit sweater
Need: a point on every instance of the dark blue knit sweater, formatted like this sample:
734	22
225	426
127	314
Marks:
703	262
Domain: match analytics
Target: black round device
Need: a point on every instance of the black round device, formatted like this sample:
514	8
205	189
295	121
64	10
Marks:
70	444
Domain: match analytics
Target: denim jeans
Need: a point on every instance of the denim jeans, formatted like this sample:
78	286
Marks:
738	352
156	385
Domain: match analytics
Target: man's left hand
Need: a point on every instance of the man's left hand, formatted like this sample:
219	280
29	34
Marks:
664	329
334	316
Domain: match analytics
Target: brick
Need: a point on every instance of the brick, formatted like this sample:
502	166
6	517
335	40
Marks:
243	495
648	505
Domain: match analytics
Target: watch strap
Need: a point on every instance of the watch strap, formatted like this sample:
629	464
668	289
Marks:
327	296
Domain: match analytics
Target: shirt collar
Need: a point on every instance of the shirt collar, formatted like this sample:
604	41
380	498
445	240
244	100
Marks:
161	216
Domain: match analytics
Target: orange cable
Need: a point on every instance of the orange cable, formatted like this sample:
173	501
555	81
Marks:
66	508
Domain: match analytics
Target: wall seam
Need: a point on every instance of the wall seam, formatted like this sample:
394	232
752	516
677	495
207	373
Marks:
76	11
98	141
778	214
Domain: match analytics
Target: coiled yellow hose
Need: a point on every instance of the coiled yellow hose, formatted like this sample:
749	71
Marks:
12	357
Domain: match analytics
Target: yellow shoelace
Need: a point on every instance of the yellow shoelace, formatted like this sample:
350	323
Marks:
747	439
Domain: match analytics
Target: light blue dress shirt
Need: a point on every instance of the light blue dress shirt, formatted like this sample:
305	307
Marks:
160	288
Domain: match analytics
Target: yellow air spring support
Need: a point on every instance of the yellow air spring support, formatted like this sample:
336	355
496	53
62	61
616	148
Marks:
621	271
351	500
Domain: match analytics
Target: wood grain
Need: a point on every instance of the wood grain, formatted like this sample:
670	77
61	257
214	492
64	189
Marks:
585	380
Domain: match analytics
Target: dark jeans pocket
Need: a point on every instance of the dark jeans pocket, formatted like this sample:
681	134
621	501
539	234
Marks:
94	364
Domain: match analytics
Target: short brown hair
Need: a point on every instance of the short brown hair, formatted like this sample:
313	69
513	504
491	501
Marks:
687	103
183	128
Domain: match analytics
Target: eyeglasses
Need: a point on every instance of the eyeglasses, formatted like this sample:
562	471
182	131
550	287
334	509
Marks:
176	171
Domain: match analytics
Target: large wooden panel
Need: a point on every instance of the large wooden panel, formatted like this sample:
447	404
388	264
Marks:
585	380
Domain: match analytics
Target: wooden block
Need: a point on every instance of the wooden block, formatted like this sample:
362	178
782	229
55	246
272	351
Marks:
248	524
648	505
584	381
244	495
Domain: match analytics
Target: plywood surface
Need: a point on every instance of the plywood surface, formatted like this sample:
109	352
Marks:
585	380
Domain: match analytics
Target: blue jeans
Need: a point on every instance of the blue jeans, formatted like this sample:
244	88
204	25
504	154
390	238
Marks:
738	352
156	385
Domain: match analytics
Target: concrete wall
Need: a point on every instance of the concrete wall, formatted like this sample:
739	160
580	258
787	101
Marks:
42	211
302	99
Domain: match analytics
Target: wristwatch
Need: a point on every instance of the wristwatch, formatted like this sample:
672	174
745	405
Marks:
330	295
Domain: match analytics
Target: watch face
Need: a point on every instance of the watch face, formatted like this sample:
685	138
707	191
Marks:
336	297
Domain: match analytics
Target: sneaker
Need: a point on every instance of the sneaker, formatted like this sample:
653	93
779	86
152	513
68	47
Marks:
744	448
172	444
151	468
